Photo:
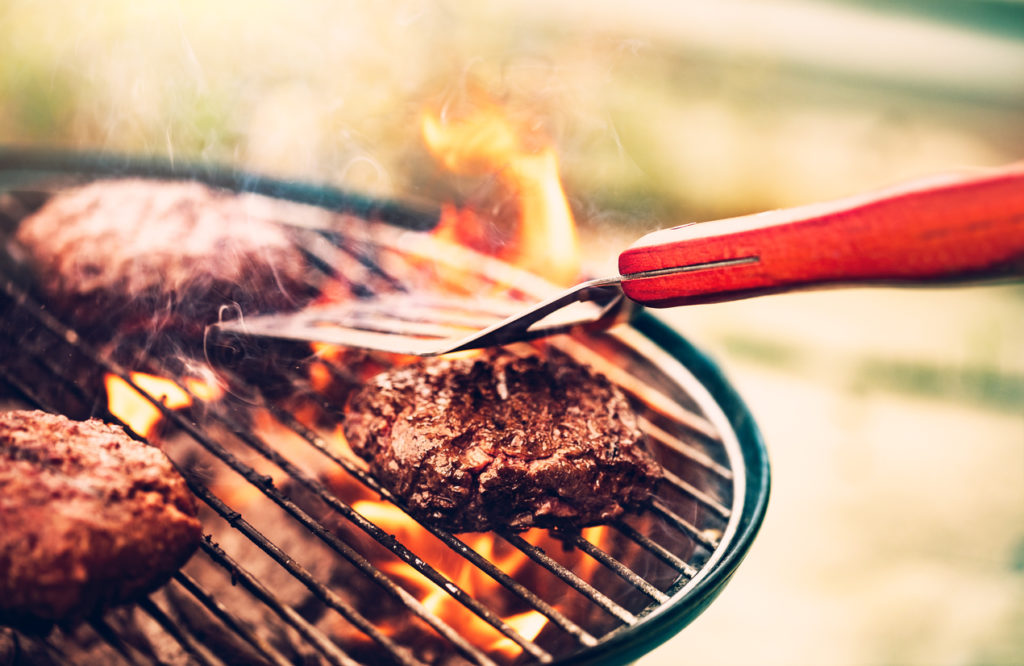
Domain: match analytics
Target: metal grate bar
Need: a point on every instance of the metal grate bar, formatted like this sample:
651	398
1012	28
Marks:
101	627
111	637
313	246
676	586
266	485
325	595
666	556
682	524
174	630
337	657
688	488
608	561
448	538
56	653
263	648
683	449
45	361
538	555
618	567
660	404
26	391
338	374
314	636
309	243
389	542
344	243
654	400
263	483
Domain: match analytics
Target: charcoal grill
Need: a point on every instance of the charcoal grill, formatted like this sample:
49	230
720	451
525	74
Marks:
604	600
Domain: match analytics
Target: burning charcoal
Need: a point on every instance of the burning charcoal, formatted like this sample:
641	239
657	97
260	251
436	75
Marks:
502	441
89	518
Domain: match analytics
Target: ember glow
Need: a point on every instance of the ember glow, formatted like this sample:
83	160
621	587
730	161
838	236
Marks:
141	415
204	389
487	142
471	580
528	624
474	581
134	409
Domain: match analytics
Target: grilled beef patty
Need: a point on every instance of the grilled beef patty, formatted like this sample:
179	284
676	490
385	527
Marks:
145	256
502	441
88	518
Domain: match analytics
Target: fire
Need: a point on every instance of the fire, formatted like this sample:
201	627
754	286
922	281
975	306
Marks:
205	390
473	581
134	409
470	579
319	376
141	415
528	624
486	142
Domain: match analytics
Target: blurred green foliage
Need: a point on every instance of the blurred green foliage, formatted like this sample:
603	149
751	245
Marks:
661	113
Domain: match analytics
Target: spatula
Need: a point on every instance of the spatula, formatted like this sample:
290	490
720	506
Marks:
949	228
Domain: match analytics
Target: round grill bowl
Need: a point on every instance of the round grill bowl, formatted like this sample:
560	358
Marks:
660	364
752	460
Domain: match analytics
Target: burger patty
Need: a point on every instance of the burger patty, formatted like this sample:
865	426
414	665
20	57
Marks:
89	518
143	255
502	441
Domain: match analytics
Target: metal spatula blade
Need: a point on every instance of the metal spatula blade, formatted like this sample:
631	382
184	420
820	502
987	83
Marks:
430	325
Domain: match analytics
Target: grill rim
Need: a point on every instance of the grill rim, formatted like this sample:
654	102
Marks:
687	601
16	160
686	605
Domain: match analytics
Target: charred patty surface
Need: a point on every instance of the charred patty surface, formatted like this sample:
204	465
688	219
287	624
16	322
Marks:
88	518
152	255
502	441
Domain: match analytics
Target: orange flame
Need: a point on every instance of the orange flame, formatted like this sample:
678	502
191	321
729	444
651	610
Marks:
529	626
488	142
207	391
141	415
484	142
470	579
134	409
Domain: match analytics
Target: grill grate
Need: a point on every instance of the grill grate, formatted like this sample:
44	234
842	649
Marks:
676	423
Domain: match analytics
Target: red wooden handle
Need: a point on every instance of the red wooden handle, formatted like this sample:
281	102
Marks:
940	229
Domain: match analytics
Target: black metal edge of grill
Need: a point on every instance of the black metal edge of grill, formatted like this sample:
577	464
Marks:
682	606
673	616
13	159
